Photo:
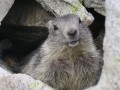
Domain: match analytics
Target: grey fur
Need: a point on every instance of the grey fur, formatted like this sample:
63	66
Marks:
62	66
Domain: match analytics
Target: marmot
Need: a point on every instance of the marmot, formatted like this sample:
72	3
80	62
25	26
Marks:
68	59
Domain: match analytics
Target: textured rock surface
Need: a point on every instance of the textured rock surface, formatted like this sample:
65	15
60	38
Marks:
62	7
98	5
110	79
10	81
5	5
2	71
31	13
27	13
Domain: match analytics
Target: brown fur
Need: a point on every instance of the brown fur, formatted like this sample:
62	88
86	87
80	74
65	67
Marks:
64	67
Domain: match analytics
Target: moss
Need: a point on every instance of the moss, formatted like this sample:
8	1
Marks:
78	8
33	85
75	9
117	59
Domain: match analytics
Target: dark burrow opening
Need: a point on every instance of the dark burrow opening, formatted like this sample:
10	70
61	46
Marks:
97	29
24	27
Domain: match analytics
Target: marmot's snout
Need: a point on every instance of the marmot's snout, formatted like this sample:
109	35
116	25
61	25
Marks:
73	37
72	33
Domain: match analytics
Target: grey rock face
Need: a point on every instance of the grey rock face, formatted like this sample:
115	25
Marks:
5	5
35	15
98	5
27	13
63	7
110	79
10	81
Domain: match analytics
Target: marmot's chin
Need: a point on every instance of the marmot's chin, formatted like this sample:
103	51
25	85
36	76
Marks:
73	44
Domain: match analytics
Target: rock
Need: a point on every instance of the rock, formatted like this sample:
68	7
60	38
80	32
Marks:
27	13
5	5
62	7
30	13
110	79
98	5
3	72
10	81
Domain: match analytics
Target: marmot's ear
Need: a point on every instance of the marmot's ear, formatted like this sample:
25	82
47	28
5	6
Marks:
49	24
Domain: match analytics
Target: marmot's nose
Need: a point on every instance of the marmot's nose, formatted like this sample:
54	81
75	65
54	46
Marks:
72	33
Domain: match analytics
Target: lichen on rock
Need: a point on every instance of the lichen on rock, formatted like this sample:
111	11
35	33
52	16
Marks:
63	7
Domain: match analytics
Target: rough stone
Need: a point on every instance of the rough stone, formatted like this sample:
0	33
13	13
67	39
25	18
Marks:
5	5
62	7
3	71
27	13
98	5
10	81
110	79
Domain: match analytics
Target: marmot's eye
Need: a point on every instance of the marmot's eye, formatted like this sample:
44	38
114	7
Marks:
79	21
55	27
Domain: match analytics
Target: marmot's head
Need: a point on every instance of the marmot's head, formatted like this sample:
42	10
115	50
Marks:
68	30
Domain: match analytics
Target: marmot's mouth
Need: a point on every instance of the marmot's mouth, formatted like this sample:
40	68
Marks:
73	43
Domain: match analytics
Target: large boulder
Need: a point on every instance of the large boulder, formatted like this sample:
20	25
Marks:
62	7
110	79
98	5
27	13
10	81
